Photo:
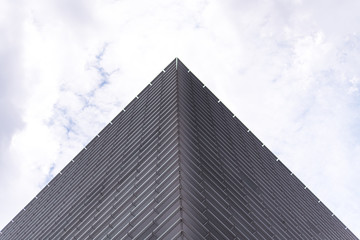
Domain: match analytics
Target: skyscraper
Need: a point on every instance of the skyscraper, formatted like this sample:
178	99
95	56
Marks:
175	164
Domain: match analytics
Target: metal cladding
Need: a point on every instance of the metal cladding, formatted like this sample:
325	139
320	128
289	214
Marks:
175	164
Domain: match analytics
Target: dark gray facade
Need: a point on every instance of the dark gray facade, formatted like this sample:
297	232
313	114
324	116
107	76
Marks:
175	164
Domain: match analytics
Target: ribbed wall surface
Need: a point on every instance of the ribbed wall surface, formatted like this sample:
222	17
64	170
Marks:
175	164
124	185
233	186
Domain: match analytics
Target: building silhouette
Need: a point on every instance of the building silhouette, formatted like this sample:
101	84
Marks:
175	164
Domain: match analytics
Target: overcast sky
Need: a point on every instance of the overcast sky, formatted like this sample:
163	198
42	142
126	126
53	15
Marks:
288	69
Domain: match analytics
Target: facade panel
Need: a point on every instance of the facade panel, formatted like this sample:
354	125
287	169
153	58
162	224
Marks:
175	164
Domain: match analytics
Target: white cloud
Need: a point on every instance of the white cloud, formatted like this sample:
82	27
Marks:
288	70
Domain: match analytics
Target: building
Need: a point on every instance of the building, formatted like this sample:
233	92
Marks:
175	164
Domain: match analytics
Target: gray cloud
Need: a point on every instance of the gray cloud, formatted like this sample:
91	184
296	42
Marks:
11	87
11	84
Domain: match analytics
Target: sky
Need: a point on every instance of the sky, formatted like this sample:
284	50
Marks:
288	69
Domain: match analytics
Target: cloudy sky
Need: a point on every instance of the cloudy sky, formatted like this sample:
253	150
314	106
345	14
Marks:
289	69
